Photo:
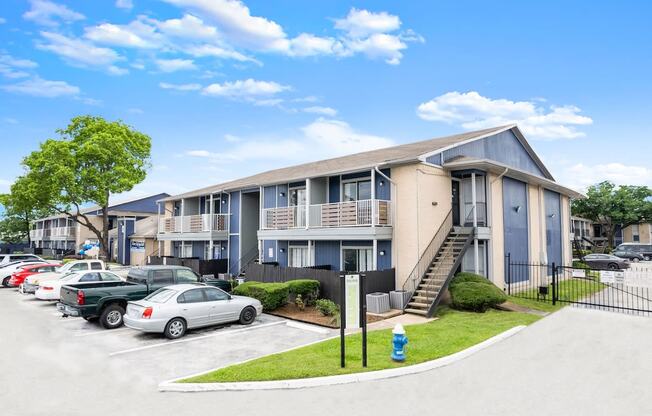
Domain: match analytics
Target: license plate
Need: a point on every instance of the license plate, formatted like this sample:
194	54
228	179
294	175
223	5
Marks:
65	309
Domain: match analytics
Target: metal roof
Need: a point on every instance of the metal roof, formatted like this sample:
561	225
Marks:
394	155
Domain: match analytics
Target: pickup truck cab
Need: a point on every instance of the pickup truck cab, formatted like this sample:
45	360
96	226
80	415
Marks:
107	301
32	282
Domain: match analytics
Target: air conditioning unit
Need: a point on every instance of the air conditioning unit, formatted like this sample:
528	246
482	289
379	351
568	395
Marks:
398	299
377	302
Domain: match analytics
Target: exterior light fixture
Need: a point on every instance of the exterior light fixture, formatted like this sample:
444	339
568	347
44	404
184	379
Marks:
282	250
381	183
381	252
517	208
281	194
553	215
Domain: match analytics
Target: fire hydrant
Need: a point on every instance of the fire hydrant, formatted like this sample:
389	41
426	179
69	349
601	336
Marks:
398	342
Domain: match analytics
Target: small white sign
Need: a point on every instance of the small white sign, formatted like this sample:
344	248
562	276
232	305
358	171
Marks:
619	277
352	295
607	276
579	273
270	253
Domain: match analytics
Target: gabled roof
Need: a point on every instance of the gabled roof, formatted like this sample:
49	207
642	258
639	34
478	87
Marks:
117	207
394	155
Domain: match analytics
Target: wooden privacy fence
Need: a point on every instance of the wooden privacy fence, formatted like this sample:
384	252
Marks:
203	267
329	280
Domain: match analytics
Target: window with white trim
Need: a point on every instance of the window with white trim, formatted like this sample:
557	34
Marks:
299	256
356	190
357	259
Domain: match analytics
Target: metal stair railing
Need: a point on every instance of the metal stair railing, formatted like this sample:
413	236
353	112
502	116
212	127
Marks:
423	264
246	259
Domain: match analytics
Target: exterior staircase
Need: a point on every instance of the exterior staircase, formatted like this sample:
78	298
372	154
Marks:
436	268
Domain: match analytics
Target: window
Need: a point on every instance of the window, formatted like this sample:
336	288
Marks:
109	277
96	265
161	295
357	259
299	256
635	234
90	277
186	250
214	294
164	277
78	267
192	296
298	197
356	190
186	276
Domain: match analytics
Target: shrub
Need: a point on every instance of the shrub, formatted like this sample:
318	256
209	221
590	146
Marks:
327	307
271	295
474	293
308	289
580	265
299	302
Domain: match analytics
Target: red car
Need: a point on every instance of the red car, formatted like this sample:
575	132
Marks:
19	277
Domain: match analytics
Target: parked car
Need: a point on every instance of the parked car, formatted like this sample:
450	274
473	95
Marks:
173	310
629	255
605	262
108	300
32	282
644	250
10	258
51	289
10	268
24	272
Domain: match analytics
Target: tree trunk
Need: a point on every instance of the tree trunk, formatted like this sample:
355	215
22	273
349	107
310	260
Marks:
104	242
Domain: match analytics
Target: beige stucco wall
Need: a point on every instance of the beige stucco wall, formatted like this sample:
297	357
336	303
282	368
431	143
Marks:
84	233
417	218
644	233
140	258
567	251
497	243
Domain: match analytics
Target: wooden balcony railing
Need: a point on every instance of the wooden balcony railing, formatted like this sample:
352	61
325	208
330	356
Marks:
194	223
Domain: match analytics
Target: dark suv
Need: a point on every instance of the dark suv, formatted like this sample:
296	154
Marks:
643	250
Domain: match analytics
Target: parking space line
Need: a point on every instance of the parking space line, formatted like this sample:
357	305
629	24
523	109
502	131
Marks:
307	327
163	344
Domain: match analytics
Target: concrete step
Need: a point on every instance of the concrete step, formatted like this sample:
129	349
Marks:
419	305
424	299
429	293
416	311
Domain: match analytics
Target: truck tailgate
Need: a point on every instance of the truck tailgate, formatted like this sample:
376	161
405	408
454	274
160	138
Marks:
68	295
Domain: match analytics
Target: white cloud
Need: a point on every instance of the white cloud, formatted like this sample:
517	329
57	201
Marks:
135	110
473	111
325	111
180	87
188	27
248	88
174	65
380	45
14	68
124	4
48	13
137	34
200	153
78	52
205	50
361	23
307	44
39	87
341	139
579	176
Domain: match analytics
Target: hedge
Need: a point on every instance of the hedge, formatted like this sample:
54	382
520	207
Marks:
271	295
308	289
474	293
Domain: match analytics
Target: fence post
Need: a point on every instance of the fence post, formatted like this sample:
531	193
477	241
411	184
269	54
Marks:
509	273
554	283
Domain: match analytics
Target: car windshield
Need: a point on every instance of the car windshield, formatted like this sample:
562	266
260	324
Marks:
67	276
161	295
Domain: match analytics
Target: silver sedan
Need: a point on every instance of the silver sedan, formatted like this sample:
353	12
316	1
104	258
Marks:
173	310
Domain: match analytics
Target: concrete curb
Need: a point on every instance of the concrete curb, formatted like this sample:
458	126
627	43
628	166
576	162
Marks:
173	386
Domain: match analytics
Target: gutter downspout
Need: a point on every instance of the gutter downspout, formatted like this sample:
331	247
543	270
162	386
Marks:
500	176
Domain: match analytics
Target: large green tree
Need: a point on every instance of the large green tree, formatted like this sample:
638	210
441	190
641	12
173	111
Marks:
92	160
20	209
609	205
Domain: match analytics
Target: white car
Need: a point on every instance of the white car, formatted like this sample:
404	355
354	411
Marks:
51	289
10	268
10	258
174	309
32	283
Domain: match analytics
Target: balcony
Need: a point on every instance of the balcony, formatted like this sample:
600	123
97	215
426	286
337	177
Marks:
328	220
36	234
63	233
194	227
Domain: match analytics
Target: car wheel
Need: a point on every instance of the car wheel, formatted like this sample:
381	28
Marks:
612	266
647	258
111	317
635	259
176	328
5	282
248	315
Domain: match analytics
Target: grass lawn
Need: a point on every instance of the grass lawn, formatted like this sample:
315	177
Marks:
568	290
453	332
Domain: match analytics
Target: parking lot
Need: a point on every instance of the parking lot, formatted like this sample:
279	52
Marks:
43	352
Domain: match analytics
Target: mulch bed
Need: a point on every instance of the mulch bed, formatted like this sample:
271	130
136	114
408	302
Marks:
311	315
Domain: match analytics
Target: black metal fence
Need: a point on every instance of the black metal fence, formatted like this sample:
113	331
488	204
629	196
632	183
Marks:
329	280
628	290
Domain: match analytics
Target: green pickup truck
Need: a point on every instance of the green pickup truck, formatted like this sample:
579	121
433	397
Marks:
108	300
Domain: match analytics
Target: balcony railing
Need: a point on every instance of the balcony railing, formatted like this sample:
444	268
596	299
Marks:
193	223
63	232
481	213
364	213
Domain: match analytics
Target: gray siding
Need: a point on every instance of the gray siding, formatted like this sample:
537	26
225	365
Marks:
383	187
234	221
552	204
384	262
282	258
516	224
334	189
327	252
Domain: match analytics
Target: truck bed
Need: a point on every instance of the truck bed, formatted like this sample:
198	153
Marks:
95	291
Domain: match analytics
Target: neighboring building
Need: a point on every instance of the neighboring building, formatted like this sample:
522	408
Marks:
380	209
638	233
60	233
138	245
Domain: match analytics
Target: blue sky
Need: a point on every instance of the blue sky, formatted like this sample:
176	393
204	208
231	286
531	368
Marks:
228	88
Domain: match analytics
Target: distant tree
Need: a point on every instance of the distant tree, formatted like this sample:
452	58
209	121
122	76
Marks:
20	209
611	206
92	160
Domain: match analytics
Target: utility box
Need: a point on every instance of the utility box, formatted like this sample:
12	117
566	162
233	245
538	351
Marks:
398	299
377	302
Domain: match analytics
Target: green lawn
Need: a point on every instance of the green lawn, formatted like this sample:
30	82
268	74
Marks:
453	332
568	290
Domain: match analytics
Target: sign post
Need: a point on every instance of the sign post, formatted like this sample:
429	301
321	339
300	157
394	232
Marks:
353	311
